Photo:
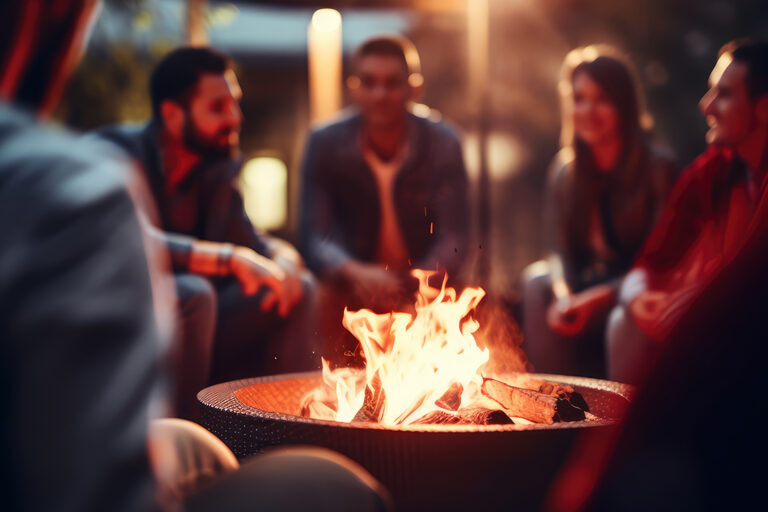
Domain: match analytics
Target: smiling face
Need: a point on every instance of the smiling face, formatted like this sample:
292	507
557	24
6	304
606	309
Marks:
383	90
727	106
213	116
595	117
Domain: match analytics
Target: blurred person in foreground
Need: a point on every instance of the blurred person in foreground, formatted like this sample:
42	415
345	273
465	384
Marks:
606	188
82	332
383	190
81	344
709	211
248	290
694	432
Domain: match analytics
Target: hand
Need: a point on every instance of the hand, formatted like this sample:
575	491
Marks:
374	285
648	309
254	271
293	289
569	316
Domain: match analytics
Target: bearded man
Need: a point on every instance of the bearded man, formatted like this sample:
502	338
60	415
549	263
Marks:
239	289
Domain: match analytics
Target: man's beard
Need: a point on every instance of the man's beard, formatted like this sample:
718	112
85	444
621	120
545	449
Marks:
207	147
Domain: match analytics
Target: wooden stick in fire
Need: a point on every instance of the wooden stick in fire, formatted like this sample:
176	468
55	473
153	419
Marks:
530	405
563	391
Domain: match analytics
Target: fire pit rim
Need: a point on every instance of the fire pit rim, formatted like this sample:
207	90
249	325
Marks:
222	397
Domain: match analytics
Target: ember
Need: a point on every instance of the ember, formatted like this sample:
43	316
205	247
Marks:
426	368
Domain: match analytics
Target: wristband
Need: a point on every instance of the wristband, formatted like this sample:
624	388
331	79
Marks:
224	260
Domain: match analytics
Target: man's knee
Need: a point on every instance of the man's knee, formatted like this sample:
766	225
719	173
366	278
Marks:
536	280
196	294
627	348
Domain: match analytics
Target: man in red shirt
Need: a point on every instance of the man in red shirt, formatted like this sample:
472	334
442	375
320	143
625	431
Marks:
707	215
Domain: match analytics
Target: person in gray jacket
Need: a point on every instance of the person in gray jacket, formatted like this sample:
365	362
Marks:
81	345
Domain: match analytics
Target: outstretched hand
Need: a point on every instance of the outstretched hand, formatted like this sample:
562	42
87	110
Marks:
374	286
293	289
569	316
253	271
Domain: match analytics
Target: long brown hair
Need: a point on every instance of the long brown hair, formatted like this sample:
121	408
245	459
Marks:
616	77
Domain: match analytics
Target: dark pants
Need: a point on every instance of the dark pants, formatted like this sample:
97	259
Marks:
250	342
549	352
194	347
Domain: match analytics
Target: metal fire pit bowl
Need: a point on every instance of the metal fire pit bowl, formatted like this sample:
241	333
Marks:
425	467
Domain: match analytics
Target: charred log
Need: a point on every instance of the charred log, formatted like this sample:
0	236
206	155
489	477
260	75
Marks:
439	418
451	399
483	416
373	402
546	387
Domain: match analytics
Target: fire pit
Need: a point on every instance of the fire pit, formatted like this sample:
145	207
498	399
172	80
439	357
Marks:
424	466
417	416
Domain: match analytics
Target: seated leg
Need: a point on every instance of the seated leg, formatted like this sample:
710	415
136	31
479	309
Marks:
251	342
628	349
194	347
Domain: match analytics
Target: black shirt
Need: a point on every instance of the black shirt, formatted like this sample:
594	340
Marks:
205	205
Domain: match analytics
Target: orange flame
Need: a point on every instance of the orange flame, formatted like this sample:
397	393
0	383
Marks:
415	358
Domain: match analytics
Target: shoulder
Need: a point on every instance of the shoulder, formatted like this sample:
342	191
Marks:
338	127
439	130
44	171
713	163
703	180
130	137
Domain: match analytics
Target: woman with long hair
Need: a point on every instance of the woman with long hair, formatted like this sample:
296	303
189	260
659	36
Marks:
606	187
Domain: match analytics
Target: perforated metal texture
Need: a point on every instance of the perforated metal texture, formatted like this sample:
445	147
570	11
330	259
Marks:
426	467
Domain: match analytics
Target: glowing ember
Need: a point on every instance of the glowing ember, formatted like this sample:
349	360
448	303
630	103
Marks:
416	364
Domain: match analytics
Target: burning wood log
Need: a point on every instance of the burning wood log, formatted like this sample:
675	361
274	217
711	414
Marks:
546	387
529	404
373	402
319	410
451	399
439	418
466	416
483	416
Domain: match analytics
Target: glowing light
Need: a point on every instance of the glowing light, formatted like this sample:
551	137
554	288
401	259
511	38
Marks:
143	21
421	110
722	64
223	15
506	155
591	53
416	79
326	20
264	185
324	52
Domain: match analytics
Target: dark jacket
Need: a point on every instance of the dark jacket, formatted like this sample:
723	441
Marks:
207	205
80	345
627	206
340	210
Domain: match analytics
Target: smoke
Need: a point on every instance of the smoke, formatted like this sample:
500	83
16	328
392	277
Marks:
502	336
